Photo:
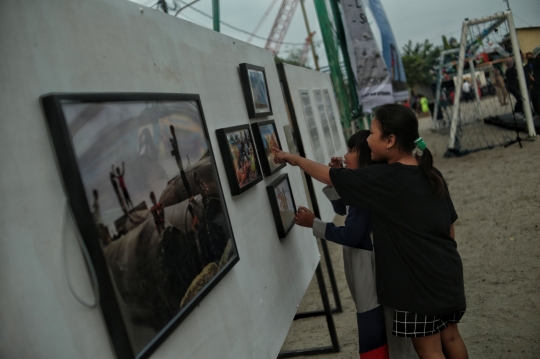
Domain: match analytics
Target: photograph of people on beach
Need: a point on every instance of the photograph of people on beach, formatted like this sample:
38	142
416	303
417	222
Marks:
150	180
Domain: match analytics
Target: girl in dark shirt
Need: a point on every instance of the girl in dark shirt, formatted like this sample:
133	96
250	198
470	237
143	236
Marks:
358	260
418	268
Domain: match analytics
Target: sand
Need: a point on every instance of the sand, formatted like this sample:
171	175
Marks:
496	194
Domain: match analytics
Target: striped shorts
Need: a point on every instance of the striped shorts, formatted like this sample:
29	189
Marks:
407	324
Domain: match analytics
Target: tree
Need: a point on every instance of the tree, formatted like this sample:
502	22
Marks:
449	44
293	58
419	61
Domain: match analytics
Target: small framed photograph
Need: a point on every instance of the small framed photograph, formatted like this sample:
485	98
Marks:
282	203
141	178
266	138
240	158
255	90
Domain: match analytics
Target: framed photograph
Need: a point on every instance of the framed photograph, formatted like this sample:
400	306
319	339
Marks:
282	203
239	157
255	90
141	179
266	138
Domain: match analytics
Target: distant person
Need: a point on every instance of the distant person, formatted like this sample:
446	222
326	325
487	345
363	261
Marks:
535	90
527	69
466	89
424	103
120	178
358	259
158	212
512	85
114	183
498	83
529	78
414	102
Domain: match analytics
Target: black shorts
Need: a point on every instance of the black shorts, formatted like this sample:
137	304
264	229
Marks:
407	324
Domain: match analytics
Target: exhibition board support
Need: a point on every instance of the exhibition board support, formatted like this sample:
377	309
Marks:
327	310
334	348
310	187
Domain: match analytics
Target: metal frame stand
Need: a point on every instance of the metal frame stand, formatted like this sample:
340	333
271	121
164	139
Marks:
327	311
334	348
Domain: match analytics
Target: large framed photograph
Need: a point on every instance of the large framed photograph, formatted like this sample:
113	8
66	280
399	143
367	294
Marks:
255	90
266	138
141	179
239	157
282	203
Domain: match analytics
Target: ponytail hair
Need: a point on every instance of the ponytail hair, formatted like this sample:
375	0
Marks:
401	121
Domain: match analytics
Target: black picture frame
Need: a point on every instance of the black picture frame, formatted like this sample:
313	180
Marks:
143	294
255	88
231	140
283	207
261	130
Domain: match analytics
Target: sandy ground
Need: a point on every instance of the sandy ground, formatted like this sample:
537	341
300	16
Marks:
497	196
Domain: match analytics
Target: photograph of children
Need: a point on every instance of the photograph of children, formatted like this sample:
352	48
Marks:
266	139
150	178
243	158
285	202
282	203
258	91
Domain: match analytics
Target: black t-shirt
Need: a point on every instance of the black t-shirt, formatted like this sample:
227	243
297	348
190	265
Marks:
418	268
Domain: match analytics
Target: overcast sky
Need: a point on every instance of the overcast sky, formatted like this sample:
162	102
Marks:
414	20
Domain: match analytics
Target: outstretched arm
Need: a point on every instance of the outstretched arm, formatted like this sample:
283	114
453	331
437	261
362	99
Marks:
316	170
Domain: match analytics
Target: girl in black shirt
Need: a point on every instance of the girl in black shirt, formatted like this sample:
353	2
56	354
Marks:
418	268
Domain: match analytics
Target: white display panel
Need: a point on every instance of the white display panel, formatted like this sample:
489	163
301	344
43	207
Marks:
117	46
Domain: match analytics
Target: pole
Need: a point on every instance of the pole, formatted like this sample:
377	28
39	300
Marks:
521	74
215	14
333	62
340	30
439	84
457	93
315	57
473	79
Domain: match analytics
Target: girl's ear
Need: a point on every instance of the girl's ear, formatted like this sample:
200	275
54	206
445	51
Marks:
391	141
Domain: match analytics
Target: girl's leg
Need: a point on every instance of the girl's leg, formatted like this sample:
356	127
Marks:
452	343
428	347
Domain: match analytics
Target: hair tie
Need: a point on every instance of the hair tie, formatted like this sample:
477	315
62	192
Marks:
420	147
420	144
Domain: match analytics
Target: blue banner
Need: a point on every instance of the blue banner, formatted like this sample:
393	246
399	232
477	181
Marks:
390	50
